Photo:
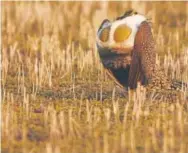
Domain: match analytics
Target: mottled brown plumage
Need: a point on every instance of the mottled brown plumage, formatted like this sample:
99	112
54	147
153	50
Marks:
143	59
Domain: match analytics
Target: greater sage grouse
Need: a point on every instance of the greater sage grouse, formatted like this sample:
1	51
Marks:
127	51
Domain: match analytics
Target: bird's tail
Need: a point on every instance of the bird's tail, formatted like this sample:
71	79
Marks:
179	85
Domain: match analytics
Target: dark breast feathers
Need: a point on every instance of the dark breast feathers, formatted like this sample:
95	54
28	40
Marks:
118	67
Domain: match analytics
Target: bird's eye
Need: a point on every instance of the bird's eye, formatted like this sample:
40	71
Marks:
121	33
104	34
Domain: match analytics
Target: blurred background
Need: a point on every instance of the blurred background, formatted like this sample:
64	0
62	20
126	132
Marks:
79	21
53	81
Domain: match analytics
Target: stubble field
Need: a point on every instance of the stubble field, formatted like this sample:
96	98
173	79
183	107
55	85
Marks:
56	96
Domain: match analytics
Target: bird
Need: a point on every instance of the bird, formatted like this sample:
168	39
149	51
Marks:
127	51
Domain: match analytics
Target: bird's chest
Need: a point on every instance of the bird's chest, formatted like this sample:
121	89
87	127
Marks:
117	61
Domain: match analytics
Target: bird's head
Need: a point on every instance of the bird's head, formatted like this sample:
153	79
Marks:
119	35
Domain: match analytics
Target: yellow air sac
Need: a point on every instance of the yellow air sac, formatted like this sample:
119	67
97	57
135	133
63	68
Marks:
122	33
104	36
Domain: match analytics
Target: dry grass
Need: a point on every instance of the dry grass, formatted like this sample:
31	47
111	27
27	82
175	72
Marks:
56	96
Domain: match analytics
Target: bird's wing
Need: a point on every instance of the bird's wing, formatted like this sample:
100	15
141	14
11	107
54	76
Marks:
143	58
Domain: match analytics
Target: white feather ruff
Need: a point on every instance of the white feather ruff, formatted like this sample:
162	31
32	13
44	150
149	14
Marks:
132	22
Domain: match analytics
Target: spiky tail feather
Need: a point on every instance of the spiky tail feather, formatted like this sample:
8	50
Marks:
179	85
